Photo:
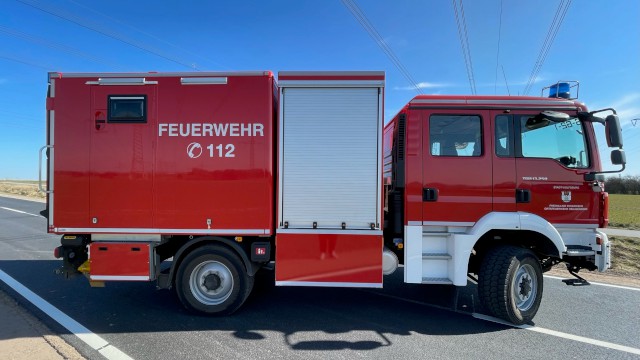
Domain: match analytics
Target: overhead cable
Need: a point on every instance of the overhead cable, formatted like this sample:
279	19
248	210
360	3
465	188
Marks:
178	47
87	24
561	11
375	35
495	86
464	43
54	45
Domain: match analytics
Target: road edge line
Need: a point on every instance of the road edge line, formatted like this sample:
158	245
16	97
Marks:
18	211
94	341
560	334
596	283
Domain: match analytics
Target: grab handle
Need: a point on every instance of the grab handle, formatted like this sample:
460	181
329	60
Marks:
40	188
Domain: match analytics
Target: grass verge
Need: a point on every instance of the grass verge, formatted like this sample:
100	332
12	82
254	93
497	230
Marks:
21	188
624	211
625	253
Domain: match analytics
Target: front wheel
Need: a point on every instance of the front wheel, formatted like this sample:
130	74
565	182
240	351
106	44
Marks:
213	280
510	283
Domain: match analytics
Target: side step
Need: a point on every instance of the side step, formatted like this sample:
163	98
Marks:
436	256
579	251
433	280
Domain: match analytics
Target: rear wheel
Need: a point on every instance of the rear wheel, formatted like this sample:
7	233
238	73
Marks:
213	280
510	284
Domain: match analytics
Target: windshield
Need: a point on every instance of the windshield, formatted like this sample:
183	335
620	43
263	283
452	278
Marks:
562	141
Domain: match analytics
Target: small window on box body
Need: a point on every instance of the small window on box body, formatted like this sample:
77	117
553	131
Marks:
127	109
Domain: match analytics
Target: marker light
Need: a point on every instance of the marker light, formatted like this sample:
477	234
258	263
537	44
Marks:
560	90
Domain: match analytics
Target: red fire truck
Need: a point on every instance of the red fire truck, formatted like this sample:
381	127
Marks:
197	180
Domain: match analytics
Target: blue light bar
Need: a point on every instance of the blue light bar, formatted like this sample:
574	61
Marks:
560	90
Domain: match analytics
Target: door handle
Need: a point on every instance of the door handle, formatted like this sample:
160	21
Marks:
430	194
99	122
523	196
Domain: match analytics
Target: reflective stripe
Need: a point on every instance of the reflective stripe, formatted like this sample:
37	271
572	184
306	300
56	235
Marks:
119	278
329	231
203	81
331	83
163	231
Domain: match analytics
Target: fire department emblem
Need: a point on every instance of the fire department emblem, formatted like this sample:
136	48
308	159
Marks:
194	150
566	196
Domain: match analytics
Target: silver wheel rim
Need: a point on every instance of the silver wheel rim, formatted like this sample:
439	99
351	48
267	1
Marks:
525	287
209	295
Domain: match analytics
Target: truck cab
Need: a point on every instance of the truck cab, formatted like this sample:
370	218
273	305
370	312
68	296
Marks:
497	187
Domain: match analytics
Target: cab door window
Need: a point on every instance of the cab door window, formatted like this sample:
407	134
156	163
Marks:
564	142
455	135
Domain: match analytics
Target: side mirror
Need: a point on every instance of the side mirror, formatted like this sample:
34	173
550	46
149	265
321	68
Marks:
618	157
613	132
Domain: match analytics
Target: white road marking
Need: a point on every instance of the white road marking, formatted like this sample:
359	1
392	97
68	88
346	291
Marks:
94	341
597	283
524	327
19	211
560	334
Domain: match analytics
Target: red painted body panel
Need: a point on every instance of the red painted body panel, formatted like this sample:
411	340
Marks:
119	259
330	258
132	176
413	167
121	170
71	181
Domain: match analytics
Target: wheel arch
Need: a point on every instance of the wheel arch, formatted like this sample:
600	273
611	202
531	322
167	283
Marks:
515	228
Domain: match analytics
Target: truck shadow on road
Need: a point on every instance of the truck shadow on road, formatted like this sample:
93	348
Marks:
305	318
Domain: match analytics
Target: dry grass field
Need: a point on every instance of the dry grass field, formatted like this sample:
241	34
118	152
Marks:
25	188
625	256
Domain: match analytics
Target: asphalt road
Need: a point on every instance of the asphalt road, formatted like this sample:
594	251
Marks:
399	321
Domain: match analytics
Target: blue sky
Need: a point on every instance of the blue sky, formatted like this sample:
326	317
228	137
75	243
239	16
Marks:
598	44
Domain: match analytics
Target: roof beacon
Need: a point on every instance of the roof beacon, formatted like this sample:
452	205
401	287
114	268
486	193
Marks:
562	89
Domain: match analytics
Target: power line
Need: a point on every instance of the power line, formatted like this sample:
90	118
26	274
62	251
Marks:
104	31
548	41
371	30
505	81
464	43
53	45
23	62
495	87
183	50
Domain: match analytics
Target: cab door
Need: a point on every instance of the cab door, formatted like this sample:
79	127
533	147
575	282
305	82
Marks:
551	160
123	121
504	162
457	182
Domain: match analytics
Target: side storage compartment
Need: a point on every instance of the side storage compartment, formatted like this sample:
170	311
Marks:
120	261
330	179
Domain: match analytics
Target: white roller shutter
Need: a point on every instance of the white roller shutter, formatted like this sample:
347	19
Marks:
329	157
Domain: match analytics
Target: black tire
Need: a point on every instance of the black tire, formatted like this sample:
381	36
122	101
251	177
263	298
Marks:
510	284
213	280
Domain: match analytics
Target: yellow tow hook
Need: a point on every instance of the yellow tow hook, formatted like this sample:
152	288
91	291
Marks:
85	268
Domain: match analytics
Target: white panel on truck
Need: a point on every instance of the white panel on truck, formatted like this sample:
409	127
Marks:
330	153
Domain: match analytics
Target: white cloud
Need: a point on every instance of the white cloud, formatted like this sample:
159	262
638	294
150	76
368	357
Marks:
423	85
